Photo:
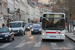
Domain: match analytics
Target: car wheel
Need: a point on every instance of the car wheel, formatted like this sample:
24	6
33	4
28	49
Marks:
13	38
31	33
9	40
24	33
25	30
39	33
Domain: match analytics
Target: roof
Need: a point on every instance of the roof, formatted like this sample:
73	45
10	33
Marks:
52	13
17	21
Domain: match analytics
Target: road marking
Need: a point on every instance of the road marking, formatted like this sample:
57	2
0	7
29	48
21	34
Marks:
37	44
20	45
54	46
22	38
70	46
5	45
23	41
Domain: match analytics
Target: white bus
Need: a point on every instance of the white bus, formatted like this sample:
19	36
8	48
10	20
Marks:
53	26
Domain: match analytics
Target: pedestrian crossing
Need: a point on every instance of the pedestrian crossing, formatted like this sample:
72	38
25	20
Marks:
68	46
39	44
5	45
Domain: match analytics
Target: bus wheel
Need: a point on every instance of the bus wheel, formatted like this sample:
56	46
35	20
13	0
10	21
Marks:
43	39
62	40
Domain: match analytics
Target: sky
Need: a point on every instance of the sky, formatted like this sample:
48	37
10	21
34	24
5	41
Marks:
44	1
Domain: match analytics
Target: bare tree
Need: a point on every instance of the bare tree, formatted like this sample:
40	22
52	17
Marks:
66	6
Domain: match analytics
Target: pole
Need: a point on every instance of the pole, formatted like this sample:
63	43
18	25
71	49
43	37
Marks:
14	7
70	21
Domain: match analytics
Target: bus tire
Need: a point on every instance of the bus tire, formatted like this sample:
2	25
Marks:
62	40
43	39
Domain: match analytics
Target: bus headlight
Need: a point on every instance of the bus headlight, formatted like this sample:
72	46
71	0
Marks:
63	34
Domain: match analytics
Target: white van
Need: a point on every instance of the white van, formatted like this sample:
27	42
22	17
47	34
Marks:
18	27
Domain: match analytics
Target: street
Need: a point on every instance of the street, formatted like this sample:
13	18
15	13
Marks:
34	42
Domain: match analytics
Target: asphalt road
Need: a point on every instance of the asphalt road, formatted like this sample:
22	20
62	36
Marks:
34	42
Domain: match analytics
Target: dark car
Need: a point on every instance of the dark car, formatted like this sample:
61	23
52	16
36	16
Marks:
30	25
27	27
6	34
36	28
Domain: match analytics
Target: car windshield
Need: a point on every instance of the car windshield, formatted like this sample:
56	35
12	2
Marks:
36	26
3	30
27	25
30	24
17	24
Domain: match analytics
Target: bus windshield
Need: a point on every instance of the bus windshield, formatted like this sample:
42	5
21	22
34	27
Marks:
53	24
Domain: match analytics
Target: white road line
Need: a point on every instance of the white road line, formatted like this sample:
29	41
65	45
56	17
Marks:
37	44
22	38
5	45
20	45
70	46
54	46
23	41
66	48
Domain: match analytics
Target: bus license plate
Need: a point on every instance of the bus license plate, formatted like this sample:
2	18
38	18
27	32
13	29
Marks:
53	36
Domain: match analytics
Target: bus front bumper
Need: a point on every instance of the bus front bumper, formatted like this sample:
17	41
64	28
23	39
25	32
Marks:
53	37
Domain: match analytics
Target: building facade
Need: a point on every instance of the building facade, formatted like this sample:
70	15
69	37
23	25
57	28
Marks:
10	10
34	11
3	11
37	13
23	10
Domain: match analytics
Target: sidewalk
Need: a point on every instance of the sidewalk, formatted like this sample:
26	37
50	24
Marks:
70	35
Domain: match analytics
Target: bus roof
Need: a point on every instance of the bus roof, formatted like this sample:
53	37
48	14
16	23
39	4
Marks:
52	13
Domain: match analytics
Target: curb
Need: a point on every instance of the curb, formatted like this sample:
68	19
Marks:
70	38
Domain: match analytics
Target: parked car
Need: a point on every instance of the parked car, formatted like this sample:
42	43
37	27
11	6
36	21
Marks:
27	27
17	27
6	34
36	28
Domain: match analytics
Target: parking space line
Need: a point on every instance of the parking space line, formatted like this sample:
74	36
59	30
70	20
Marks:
5	45
37	44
